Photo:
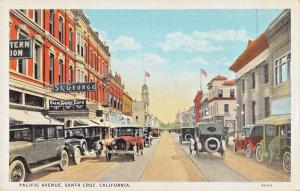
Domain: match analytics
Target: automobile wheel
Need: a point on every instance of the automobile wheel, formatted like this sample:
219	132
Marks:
98	153
286	161
187	137
64	161
134	155
84	148
17	171
212	144
108	156
259	153
77	156
248	151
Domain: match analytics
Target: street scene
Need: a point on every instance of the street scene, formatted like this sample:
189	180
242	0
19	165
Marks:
149	95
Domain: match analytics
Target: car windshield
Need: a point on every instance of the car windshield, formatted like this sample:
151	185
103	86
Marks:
19	135
247	132
78	133
125	131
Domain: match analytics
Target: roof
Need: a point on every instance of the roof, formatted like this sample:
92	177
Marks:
218	78
229	82
129	125
253	49
275	120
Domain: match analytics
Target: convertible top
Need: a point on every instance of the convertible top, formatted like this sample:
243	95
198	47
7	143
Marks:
275	120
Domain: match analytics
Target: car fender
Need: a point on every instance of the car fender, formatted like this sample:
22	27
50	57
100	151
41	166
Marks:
15	156
60	150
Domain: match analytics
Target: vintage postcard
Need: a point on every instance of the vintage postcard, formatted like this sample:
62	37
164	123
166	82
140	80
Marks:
150	95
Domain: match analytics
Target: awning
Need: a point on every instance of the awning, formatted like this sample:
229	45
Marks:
275	120
86	122
17	116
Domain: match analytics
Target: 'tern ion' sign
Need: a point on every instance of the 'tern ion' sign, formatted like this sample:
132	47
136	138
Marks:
67	105
21	48
75	87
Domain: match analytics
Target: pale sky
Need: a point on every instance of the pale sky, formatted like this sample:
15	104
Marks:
172	45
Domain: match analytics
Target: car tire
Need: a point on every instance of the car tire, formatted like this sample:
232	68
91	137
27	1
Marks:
134	155
84	148
77	156
206	146
286	161
98	153
17	171
108	156
64	160
187	137
248	151
258	153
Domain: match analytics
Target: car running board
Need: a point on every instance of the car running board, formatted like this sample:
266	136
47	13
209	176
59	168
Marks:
39	168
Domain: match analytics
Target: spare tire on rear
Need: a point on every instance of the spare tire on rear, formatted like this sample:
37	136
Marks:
212	144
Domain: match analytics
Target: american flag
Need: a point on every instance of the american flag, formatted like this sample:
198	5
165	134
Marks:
147	74
203	72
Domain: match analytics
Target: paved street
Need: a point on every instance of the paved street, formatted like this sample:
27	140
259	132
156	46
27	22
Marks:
166	160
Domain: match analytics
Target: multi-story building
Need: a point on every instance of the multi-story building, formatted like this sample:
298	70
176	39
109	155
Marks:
115	98
221	101
263	74
127	104
65	50
204	109
140	111
197	106
185	118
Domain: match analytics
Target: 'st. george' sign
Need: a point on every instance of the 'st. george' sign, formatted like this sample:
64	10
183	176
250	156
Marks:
21	48
75	87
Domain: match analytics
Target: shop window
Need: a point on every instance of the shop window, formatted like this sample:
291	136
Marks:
34	100
15	97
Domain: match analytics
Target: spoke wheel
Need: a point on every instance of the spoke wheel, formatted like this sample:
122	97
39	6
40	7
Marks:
64	161
17	171
286	161
77	156
258	153
248	151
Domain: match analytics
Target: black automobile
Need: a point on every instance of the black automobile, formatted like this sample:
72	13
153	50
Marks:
85	139
186	133
147	136
210	137
33	148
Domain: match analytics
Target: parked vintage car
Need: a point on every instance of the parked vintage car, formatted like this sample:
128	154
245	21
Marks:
129	140
210	137
147	136
35	147
276	141
253	134
186	133
85	139
155	132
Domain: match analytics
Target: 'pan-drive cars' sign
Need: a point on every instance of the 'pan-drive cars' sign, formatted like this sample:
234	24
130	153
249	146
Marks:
21	48
67	105
75	87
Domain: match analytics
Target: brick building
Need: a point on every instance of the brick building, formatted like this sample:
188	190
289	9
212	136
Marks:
65	49
197	106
